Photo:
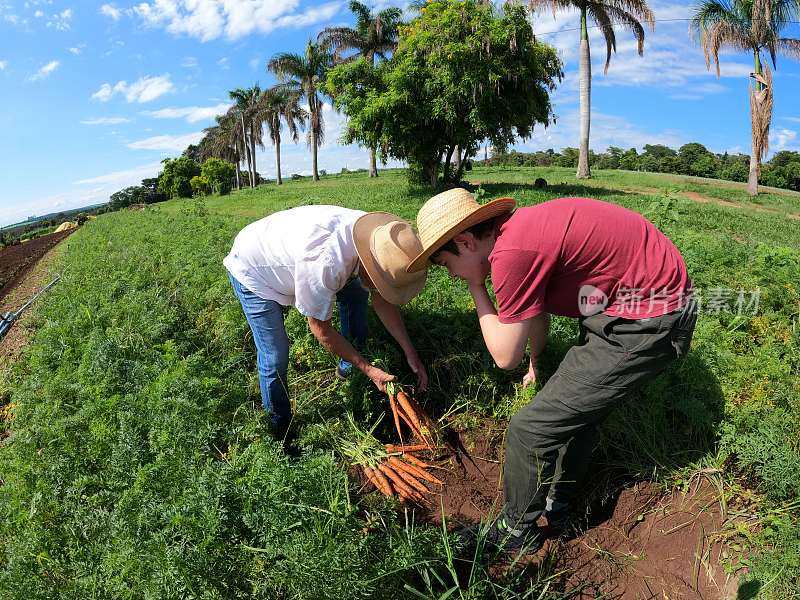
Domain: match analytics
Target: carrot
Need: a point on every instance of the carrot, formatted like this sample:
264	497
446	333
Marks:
397	481
393	406
406	475
391	448
419	412
413	470
407	420
379	481
413	416
416	462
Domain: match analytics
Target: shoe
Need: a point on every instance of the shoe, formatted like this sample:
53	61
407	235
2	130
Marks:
560	524
503	538
343	369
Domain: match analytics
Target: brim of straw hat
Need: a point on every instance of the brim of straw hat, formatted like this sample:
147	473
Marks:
362	238
492	209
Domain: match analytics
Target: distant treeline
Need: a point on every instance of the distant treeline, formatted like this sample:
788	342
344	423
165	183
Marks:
39	226
782	171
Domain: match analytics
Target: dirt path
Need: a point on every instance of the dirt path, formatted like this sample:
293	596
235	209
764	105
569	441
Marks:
15	261
37	275
642	543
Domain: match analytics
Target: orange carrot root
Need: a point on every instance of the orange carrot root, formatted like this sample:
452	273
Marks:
414	471
407	476
397	481
379	481
392	448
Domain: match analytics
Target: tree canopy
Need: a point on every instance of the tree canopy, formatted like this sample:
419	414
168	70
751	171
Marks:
462	73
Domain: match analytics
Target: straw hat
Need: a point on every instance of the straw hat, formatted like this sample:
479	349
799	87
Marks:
385	244
446	215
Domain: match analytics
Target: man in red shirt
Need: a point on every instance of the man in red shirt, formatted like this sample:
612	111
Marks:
606	265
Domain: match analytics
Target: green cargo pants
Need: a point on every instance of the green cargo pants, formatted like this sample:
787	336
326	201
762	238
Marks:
550	440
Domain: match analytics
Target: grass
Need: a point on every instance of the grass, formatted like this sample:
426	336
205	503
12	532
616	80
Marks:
140	465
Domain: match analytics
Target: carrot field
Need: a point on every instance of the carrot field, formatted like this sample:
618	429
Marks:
135	460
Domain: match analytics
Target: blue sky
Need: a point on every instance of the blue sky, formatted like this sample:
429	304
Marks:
95	94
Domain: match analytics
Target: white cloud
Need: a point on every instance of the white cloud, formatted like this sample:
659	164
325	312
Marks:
45	71
3	65
76	50
167	143
782	139
119	179
111	11
38	14
192	114
145	89
190	62
61	21
671	58
106	121
224	63
210	19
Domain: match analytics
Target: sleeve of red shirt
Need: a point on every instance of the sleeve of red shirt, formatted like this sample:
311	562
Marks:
519	278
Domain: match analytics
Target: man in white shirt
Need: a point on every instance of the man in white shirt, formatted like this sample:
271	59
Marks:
308	256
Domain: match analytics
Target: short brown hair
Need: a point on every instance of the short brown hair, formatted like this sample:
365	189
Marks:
479	230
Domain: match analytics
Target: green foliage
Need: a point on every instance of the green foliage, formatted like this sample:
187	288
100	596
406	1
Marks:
219	174
176	176
200	185
462	73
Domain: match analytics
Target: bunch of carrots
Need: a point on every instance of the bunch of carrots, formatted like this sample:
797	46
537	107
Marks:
402	474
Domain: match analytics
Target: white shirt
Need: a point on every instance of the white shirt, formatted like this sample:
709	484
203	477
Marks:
298	257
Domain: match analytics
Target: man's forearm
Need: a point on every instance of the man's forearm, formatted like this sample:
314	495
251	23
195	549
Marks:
336	343
540	327
506	342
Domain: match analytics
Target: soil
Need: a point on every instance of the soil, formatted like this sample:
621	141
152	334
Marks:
636	542
30	277
15	261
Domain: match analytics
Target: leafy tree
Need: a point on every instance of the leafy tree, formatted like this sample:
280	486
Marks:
374	36
304	74
462	73
606	14
218	174
752	26
125	197
200	186
174	180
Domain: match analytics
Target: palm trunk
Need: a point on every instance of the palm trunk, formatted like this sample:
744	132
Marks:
246	145
373	165
253	154
314	116
278	179
586	100
238	182
755	155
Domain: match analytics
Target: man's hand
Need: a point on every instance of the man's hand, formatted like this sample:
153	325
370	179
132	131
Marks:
379	378
532	375
419	370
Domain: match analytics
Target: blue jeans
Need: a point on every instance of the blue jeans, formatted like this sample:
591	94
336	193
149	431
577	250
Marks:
265	318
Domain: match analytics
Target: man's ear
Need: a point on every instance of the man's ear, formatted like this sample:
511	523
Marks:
466	240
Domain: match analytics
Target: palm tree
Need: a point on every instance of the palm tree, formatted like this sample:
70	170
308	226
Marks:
605	14
224	140
247	101
751	26
280	105
304	74
374	36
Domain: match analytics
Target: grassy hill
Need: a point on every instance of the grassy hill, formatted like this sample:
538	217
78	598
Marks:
140	467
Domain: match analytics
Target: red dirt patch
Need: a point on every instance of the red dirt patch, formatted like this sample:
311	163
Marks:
15	261
647	543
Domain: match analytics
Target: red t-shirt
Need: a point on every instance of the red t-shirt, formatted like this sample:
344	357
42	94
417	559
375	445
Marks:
577	256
